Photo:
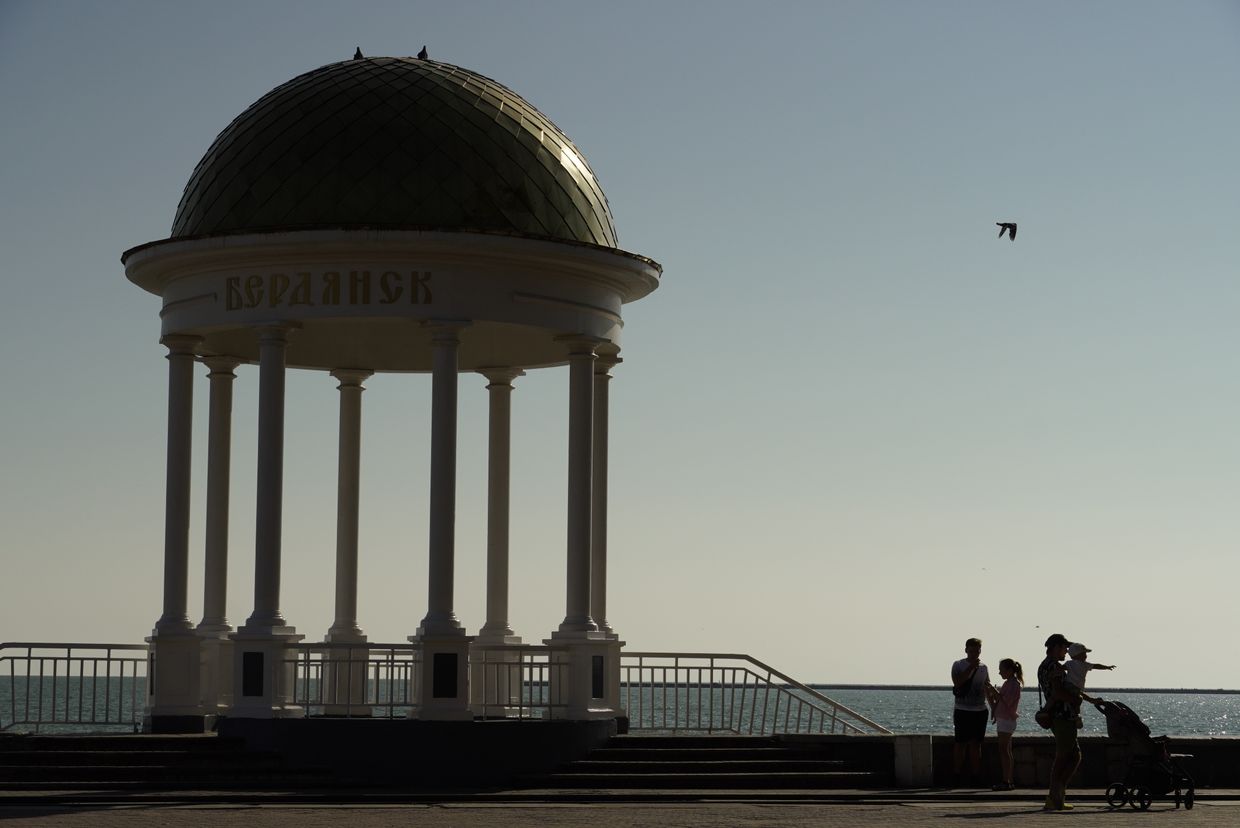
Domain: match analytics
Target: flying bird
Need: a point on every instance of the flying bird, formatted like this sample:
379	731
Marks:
358	54
422	54
1008	227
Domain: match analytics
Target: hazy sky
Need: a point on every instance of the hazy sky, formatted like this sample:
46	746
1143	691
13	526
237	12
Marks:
852	427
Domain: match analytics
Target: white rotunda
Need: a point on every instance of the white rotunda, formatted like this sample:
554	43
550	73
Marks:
385	215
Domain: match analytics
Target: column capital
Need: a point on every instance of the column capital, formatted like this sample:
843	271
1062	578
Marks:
352	377
605	362
446	330
220	364
181	344
580	345
500	377
275	331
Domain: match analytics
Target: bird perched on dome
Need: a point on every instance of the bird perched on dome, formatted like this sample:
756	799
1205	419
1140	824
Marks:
422	55
1008	227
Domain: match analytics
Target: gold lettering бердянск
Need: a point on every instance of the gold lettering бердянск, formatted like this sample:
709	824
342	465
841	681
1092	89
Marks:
280	289
331	288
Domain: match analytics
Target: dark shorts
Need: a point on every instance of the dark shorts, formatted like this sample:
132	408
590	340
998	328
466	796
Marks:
1065	736
970	725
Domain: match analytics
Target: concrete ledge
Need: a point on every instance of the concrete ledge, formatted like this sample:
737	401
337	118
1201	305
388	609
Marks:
1215	762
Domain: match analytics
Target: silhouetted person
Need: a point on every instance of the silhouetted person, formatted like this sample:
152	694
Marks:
1008	227
358	54
422	55
969	714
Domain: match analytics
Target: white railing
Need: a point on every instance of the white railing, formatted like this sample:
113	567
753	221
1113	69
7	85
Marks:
726	693
355	680
72	686
378	680
524	681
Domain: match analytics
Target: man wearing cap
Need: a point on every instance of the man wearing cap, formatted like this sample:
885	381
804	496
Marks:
1058	700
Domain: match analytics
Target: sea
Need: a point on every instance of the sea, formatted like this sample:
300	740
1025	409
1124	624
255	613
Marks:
910	709
929	709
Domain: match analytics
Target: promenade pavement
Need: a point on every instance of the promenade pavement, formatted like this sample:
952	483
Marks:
910	814
592	809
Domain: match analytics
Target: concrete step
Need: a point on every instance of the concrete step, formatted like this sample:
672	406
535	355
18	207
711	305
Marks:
673	754
148	758
716	781
136	741
702	767
146	773
673	741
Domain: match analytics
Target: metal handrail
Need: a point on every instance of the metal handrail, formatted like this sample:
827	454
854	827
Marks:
354	680
108	699
533	686
718	709
514	681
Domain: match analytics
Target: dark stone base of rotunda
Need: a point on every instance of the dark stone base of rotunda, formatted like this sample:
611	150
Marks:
422	754
168	725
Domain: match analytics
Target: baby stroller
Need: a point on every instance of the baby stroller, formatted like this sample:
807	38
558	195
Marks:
1152	771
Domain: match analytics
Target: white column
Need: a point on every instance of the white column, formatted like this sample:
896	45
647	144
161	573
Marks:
580	430
262	672
175	617
440	618
173	703
345	627
499	387
269	504
598	508
219	449
442	679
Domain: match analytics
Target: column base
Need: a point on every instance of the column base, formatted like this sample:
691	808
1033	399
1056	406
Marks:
441	678
166	725
586	682
174	670
264	669
216	666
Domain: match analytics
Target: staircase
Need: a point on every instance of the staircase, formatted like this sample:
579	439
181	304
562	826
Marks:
726	762
143	762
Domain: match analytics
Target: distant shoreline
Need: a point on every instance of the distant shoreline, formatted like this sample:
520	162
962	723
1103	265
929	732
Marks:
1101	690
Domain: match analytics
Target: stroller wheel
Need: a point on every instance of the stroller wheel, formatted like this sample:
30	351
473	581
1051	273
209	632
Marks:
1140	798
1177	797
1188	799
1117	795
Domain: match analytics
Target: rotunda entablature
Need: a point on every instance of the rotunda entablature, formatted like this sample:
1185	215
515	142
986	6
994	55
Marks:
356	297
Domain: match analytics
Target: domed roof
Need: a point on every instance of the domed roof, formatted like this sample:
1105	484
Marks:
395	142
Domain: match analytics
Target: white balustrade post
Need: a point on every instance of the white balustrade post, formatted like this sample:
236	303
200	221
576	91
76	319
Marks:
443	683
